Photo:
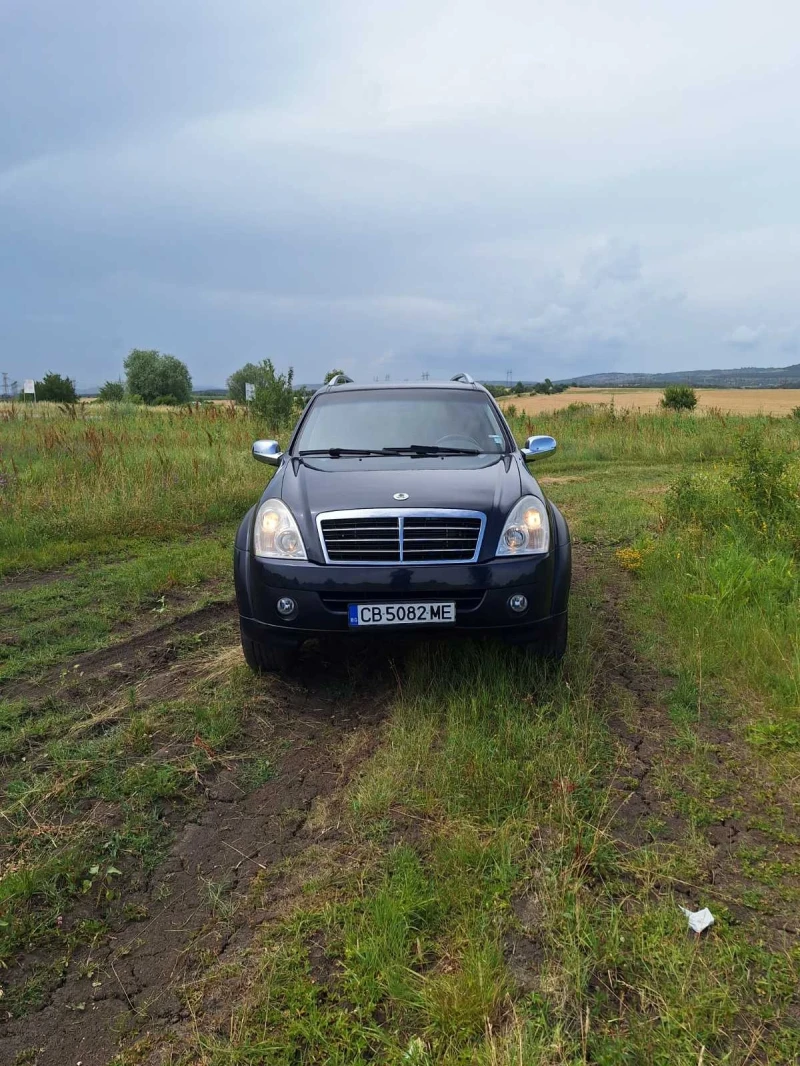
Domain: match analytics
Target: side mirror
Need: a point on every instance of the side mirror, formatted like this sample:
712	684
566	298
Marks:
538	448
267	451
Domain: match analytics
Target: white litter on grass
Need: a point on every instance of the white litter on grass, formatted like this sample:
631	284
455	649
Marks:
416	1051
699	920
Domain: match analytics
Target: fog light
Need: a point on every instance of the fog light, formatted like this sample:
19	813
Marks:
518	603
286	606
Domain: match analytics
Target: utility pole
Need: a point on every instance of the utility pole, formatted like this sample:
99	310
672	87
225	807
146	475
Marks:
5	386
425	375
509	377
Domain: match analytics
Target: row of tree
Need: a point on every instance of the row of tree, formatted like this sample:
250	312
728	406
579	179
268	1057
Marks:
545	388
150	378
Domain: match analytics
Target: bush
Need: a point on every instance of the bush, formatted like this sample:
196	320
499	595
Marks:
249	374
274	402
760	500
679	398
152	375
795	413
165	401
55	389
767	488
112	392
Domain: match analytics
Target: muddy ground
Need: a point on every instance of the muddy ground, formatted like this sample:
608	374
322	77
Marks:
325	720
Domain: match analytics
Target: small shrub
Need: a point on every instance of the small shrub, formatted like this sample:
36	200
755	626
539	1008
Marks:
679	398
165	401
764	483
795	413
761	499
274	402
56	389
112	392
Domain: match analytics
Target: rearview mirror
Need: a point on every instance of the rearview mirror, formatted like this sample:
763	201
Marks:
538	448
267	451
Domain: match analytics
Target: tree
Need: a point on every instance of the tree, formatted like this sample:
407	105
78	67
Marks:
331	375
56	389
249	374
274	402
152	375
679	398
302	395
112	392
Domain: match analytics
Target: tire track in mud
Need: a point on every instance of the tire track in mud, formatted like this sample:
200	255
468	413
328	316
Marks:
324	720
89	672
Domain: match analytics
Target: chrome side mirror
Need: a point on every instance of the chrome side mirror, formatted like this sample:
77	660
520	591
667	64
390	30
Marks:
267	451
538	448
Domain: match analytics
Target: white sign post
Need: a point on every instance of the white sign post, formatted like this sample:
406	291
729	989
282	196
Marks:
249	392
29	388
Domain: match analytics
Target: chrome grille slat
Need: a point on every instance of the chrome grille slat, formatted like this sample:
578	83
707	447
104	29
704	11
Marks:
392	537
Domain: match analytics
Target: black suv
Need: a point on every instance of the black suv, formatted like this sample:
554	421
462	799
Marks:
401	507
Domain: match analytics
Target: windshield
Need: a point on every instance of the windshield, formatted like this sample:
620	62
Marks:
415	419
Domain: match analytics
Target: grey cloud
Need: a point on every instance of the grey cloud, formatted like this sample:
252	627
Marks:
396	185
746	336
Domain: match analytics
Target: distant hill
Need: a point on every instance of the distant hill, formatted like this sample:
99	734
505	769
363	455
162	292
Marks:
749	377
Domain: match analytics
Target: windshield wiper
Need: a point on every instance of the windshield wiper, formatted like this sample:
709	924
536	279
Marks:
335	453
406	449
429	449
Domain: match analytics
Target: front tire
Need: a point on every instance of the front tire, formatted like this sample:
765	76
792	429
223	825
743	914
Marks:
552	644
264	657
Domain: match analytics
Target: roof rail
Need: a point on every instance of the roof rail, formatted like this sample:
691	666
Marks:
340	379
466	378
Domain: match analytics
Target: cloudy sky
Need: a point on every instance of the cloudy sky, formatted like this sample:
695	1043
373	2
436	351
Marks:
552	188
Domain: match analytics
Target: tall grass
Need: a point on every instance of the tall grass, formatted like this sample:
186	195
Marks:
72	484
590	433
725	571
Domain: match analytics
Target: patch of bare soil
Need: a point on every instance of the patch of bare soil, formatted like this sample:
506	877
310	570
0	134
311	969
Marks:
172	924
146	646
714	811
30	579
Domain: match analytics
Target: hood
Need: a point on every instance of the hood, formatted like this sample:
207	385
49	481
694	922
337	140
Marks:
491	484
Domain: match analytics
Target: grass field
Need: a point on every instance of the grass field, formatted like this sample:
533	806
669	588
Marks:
416	854
778	402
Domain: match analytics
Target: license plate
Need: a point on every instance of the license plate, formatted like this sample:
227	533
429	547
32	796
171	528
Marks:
392	614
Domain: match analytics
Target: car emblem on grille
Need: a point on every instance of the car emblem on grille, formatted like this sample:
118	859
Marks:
401	495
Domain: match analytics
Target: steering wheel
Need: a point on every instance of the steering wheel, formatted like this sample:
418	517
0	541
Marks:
457	440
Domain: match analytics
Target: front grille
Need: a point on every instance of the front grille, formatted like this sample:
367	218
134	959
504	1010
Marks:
371	540
375	537
338	602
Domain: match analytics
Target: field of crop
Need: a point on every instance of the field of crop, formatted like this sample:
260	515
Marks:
729	401
410	853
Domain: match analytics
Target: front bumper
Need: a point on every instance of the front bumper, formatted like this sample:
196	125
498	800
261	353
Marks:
322	594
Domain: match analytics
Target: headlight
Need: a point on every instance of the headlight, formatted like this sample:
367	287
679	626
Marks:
527	529
276	535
